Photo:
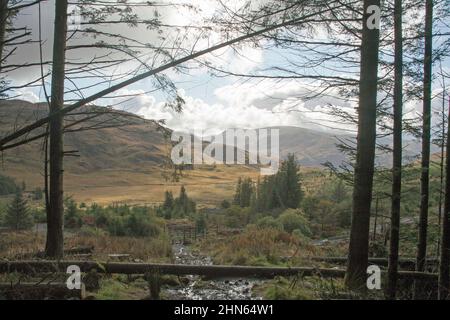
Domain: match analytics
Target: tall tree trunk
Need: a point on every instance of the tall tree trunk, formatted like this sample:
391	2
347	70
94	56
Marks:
441	177
55	240
444	264
426	141
365	154
442	162
374	236
397	154
3	22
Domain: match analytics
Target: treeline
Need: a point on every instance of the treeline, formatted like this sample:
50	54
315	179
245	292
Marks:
9	186
282	190
278	201
177	208
116	220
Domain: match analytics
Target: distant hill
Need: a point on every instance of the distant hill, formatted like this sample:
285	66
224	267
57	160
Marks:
124	162
142	144
137	146
314	148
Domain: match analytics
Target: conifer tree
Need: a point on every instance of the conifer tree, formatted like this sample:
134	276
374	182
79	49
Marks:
18	215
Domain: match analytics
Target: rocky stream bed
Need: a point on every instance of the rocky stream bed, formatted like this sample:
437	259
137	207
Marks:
202	289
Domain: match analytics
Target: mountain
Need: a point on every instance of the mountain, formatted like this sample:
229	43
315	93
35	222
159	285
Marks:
123	162
311	147
138	147
126	158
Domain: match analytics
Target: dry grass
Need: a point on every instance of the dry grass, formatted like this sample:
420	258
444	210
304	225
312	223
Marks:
256	246
14	245
144	249
208	186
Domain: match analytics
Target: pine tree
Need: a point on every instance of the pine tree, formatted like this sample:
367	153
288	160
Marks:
339	192
237	194
358	255
397	155
72	218
246	193
290	188
426	144
168	201
183	205
18	216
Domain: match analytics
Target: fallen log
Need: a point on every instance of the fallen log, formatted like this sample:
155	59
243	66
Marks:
68	252
80	250
404	263
214	271
40	291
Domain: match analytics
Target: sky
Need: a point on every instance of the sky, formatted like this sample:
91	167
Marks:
212	103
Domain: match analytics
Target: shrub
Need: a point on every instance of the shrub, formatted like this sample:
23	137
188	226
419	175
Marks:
200	223
89	231
237	217
269	223
72	217
142	226
116	226
38	194
292	219
225	204
39	215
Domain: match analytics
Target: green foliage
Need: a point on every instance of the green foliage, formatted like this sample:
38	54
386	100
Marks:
200	223
329	207
180	207
269	223
169	202
72	217
339	192
183	205
225	204
237	217
39	215
142	225
121	220
282	190
18	216
38	194
283	289
244	192
7	185
292	219
288	183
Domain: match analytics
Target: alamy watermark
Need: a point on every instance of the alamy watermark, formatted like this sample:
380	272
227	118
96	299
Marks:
74	280
374	277
234	146
374	20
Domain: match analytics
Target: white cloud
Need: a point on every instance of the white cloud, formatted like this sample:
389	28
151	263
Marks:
28	96
257	105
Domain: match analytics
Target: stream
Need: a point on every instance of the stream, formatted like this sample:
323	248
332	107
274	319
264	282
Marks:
198	289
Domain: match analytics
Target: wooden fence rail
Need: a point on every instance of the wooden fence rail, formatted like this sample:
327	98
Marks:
214	271
405	263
